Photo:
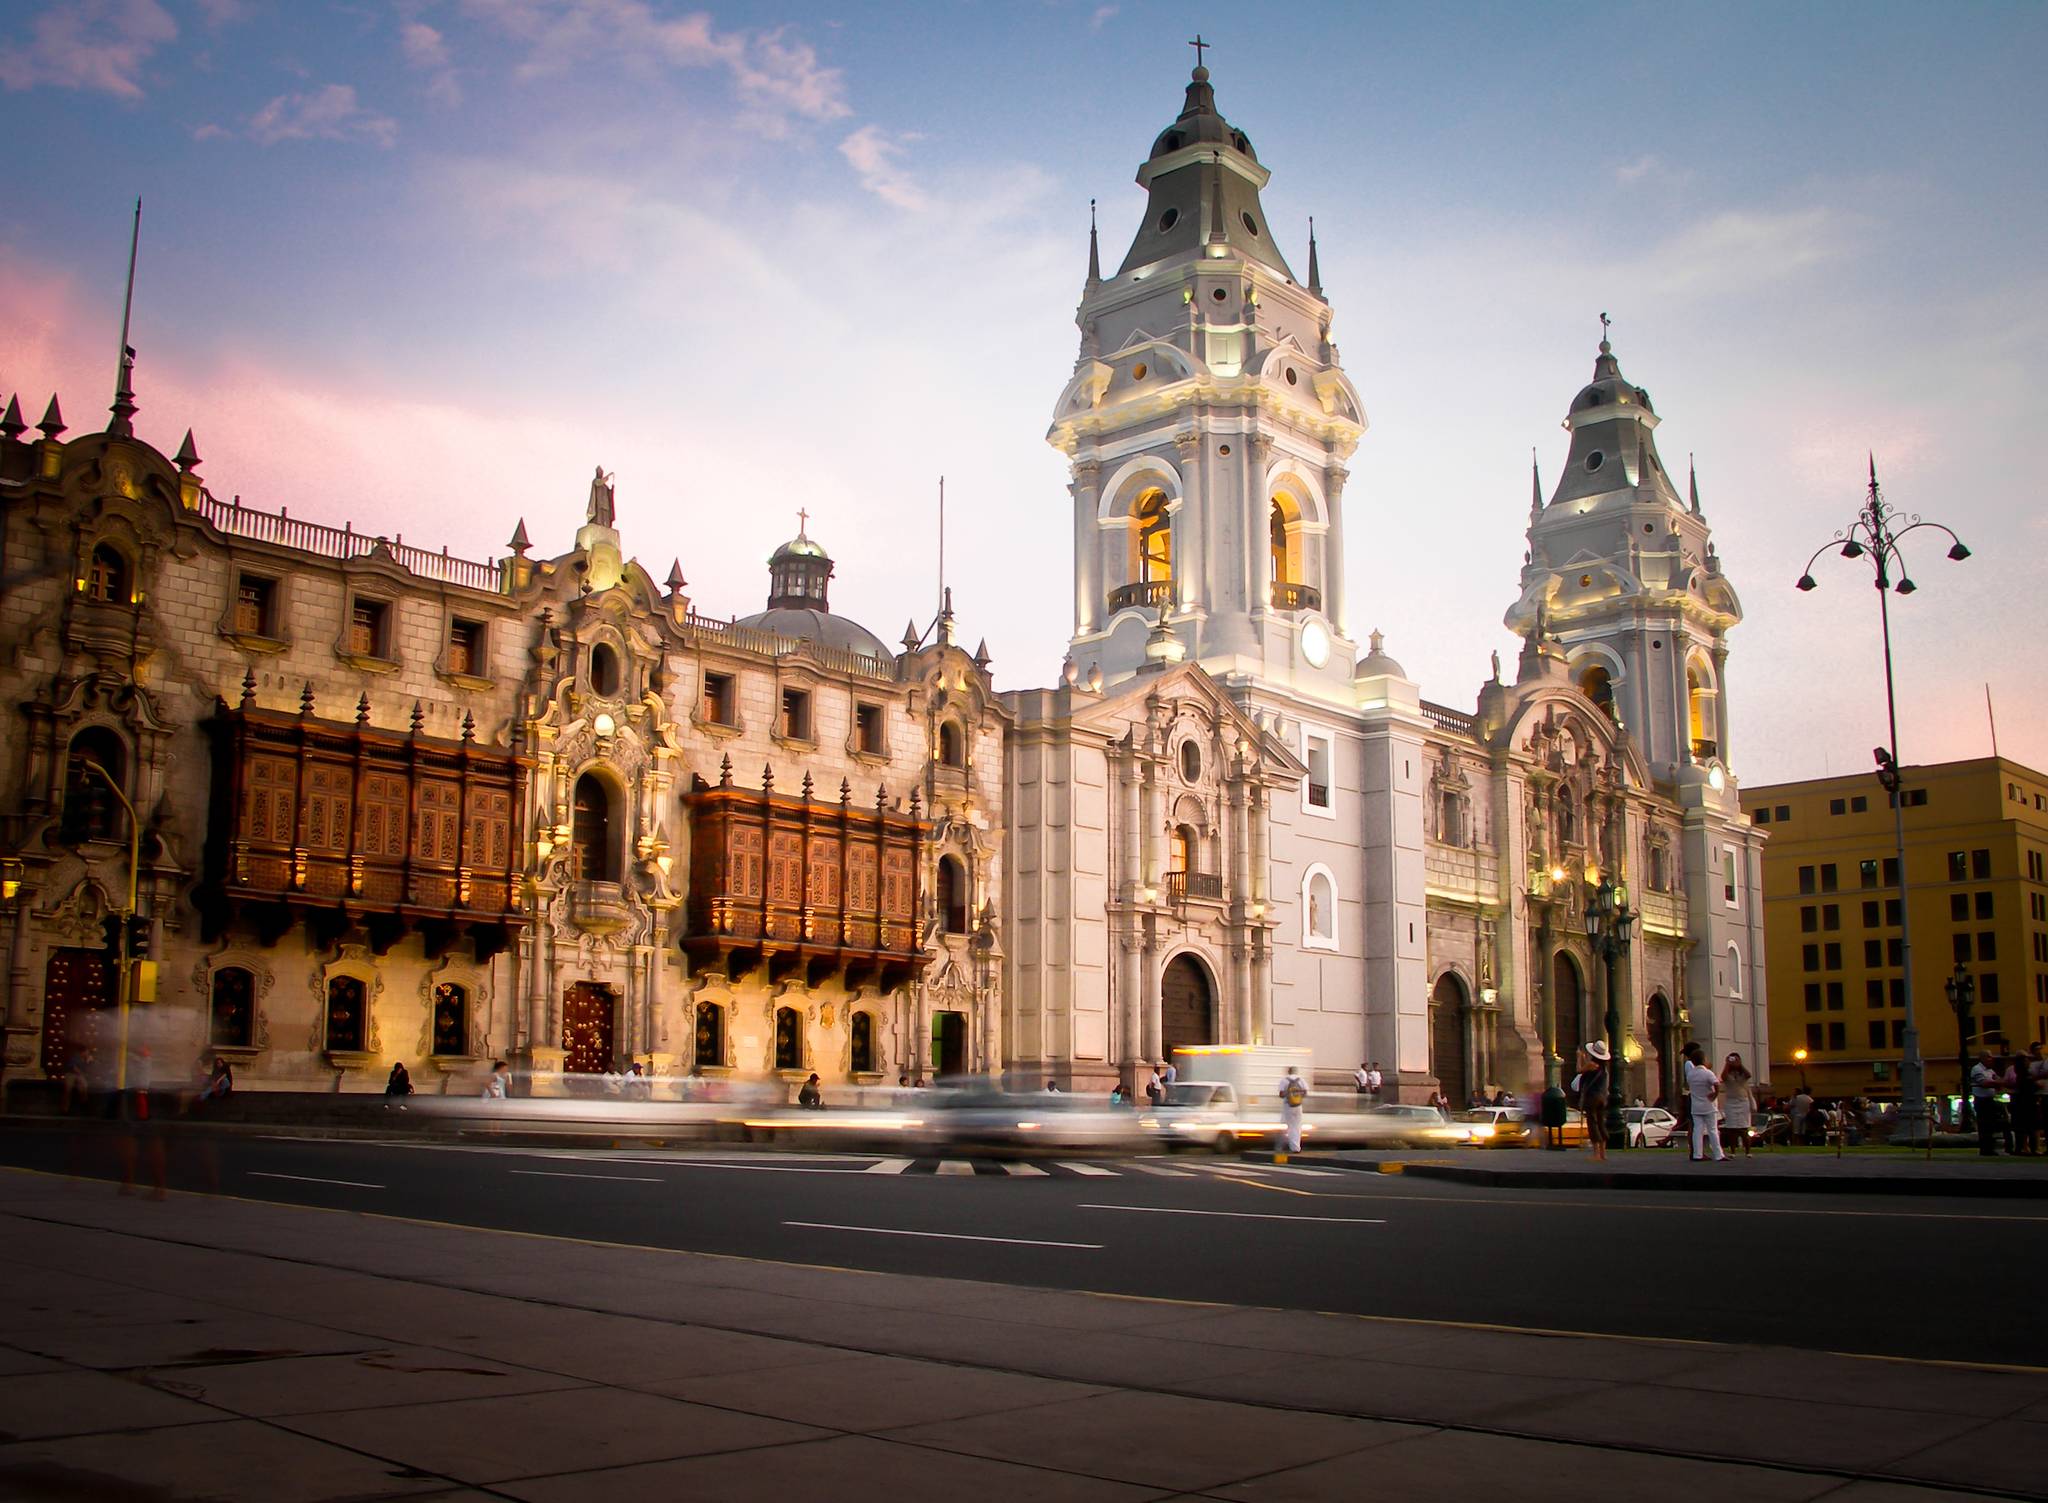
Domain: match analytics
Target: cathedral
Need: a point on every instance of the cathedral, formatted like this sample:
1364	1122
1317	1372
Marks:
1228	824
351	801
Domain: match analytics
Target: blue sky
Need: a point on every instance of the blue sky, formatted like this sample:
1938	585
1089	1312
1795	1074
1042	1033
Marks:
421	265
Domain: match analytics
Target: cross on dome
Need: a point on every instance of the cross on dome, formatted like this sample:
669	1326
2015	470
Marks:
1199	45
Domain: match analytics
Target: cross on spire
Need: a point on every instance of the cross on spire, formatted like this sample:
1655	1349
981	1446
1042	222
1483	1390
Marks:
803	519
1605	321
1199	45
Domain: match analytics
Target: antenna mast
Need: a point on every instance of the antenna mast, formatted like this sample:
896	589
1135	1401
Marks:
124	398
942	542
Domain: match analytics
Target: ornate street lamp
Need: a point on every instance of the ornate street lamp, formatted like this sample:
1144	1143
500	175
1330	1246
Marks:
1875	535
1962	995
1608	921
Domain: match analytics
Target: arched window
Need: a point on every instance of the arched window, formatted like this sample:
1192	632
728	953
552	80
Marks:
91	811
952	745
1319	909
862	1029
952	895
451	1019
233	1021
1734	970
1276	529
345	1015
604	669
1182	857
789	1039
1596	684
710	1035
106	576
1699	712
1155	538
595	852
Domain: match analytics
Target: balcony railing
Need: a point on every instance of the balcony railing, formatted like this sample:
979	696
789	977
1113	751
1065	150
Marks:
1288	596
1152	594
287	531
1180	886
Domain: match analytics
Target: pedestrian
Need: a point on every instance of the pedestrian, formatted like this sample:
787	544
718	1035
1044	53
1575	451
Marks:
220	1081
1169	1072
1374	1082
2034	1069
810	1097
635	1084
2019	1117
1155	1088
499	1085
1984	1084
397	1087
1802	1108
1738	1104
1701	1086
1116	1095
1593	1084
1052	1087
1362	1078
1293	1097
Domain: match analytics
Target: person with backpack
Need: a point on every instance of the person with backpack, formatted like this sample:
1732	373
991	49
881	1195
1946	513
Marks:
1293	1097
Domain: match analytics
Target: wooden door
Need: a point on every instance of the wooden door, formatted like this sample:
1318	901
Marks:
77	984
587	1029
1187	1007
1447	1041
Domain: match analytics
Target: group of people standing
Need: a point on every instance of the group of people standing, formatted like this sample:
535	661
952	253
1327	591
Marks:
2021	1080
1716	1111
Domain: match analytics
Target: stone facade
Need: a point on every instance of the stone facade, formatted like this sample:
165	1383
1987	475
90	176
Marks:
400	806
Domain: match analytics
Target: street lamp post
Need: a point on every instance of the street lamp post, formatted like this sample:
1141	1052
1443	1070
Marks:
1800	1055
1608	921
125	992
1962	996
1875	535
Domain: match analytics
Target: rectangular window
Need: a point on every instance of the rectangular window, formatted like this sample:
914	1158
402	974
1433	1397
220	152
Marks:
1832	955
1859	804
1316	753
867	721
1993	1027
1873	953
1728	870
717	699
1809	957
1873	993
1897	987
1806	879
2037	904
1813	996
1895	952
465	646
1815	1034
1987	989
369	634
796	714
1980	864
1898	1033
1892	911
1958	866
1836	1001
1962	947
1987	944
1958	907
1838	806
1838	1035
1784	813
1870	912
1827	876
1809	919
256	606
1763	815
1877	1033
2034	865
1867	872
1983	904
1830	916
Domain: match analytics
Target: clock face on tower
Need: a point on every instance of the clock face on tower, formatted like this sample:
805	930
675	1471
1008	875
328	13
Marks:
1315	644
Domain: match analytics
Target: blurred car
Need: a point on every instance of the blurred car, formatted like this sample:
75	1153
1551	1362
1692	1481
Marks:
1648	1126
1493	1127
999	1122
1412	1126
1203	1114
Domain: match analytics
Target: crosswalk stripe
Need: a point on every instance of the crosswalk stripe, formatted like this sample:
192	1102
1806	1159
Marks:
1144	1168
1011	1166
887	1166
955	1166
1085	1168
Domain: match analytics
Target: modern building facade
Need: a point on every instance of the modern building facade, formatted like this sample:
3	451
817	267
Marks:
1229	824
396	805
1976	893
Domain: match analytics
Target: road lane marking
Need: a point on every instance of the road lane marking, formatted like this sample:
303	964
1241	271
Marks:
1240	1215
312	1179
1691	1209
955	1166
897	1231
745	1168
1144	1168
888	1166
630	1179
1089	1169
1013	1166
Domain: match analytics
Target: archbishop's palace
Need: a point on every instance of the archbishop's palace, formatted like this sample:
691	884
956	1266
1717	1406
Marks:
388	804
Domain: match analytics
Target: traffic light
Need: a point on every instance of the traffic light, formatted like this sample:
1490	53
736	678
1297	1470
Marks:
110	935
138	937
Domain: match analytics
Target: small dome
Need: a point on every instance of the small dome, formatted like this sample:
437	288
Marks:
798	547
799	607
802	624
1609	386
1199	123
1376	663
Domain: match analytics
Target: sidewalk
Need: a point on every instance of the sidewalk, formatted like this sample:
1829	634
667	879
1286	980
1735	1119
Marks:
1805	1171
223	1349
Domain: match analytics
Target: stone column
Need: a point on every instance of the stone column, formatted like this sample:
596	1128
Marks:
1237	792
1721	702
1192	544
1334	477
1090	589
1261	891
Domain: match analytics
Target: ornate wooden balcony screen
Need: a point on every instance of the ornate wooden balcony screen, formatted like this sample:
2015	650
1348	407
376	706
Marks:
790	881
342	824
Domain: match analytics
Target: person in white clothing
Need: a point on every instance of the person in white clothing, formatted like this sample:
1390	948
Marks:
496	1088
1293	1097
1701	1086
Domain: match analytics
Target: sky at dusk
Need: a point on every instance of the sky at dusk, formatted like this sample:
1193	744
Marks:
420	266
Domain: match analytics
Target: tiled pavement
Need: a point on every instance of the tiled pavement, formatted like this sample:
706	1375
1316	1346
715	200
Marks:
210	1348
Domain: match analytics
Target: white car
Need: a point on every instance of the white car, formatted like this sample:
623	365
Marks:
1648	1126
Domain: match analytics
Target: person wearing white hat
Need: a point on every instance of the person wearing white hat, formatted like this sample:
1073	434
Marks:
1593	1089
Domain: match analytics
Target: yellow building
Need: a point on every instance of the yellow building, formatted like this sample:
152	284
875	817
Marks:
1976	847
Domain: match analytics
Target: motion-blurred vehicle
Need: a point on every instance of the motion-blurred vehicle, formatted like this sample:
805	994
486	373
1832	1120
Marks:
1405	1126
1494	1127
1648	1126
1205	1114
996	1122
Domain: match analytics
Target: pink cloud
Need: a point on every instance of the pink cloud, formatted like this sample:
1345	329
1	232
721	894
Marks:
89	44
876	157
326	114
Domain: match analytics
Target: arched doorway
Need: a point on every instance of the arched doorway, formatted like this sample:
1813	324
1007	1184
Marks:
1187	1005
587	1029
1566	994
1447	1010
1660	1048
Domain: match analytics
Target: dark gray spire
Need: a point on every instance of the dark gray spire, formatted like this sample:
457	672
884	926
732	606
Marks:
11	426
53	420
1315	269
1692	484
188	454
1094	250
520	541
1535	487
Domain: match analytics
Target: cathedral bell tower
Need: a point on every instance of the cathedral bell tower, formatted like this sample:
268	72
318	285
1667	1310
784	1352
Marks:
1623	572
1207	424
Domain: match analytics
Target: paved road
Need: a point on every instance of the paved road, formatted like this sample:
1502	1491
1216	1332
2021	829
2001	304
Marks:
1927	1278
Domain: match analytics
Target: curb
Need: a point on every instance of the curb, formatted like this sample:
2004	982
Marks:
510	1137
2003	1186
